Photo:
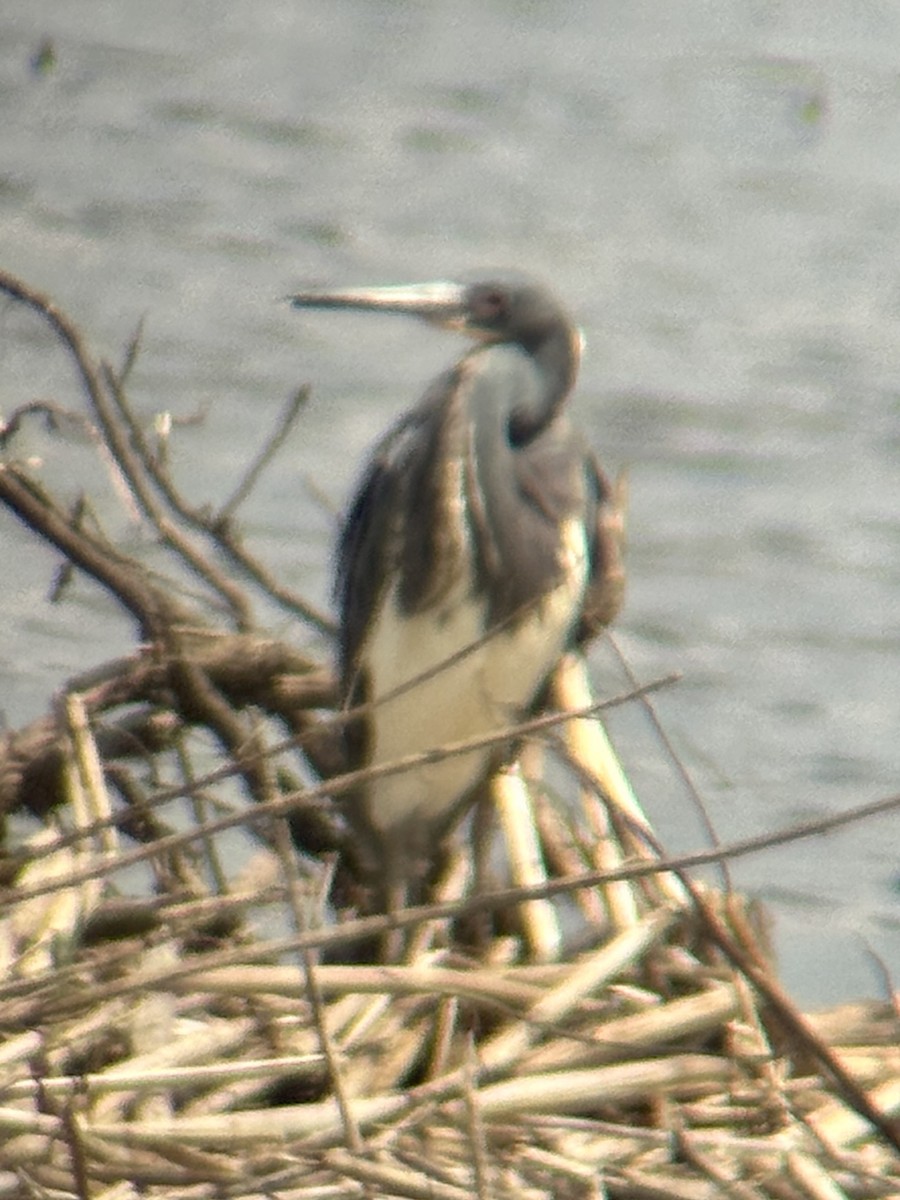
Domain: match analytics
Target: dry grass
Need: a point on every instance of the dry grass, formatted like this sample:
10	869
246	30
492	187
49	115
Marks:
168	1047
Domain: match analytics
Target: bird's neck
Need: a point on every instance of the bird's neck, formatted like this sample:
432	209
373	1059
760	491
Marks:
556	357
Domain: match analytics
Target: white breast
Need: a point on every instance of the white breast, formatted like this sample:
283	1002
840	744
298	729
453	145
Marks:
481	693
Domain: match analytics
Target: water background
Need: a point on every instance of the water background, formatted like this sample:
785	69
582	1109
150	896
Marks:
715	190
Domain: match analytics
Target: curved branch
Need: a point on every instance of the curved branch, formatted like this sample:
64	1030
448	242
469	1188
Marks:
115	435
219	526
154	609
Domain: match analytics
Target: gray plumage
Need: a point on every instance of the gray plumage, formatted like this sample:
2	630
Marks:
481	509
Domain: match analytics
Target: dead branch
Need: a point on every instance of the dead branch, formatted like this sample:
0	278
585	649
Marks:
154	609
197	665
246	671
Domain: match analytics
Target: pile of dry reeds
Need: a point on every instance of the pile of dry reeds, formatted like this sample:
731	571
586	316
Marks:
165	1046
186	1015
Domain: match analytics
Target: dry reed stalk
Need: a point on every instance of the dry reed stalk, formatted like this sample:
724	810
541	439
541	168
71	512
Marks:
457	879
144	1165
20	1120
750	1045
597	1143
377	1017
390	980
501	953
18	1050
193	1043
319	1123
443	1038
812	1178
593	1088
654	1185
567	856
118	1191
32	1163
384	1041
873	1066
394	1179
588	742
90	798
65	1041
442	1155
643	1033
839	1127
512	804
251	1091
865	1024
585	977
558	1166
46	929
395	1052
720	1169
474	1124
591	749
122	1079
152	1026
350	1017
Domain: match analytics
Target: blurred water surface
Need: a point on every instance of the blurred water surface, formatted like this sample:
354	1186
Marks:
715	189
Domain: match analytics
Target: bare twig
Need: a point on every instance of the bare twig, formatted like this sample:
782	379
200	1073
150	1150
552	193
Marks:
674	757
474	1125
132	350
276	438
154	610
96	381
218	527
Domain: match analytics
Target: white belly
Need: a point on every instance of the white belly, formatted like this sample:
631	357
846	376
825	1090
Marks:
481	693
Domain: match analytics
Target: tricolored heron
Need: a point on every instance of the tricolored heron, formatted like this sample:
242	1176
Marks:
482	510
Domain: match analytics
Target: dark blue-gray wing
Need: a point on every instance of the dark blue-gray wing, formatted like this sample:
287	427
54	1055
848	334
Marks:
519	515
558	480
396	533
522	498
522	494
366	548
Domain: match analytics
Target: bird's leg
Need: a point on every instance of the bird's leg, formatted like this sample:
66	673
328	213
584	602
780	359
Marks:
396	898
399	862
483	827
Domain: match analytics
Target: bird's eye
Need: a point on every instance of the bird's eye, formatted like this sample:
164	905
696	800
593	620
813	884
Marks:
491	305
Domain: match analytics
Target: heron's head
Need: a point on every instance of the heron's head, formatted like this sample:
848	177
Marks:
506	308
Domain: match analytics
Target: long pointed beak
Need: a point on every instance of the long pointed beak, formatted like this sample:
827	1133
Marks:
442	303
